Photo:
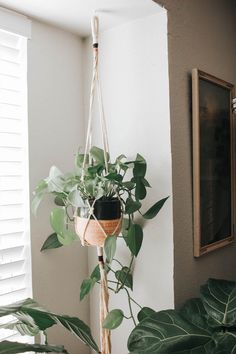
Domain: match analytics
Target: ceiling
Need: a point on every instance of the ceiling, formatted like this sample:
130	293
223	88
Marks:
75	15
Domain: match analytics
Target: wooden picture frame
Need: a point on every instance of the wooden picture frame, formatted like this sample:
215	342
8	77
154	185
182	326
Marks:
213	163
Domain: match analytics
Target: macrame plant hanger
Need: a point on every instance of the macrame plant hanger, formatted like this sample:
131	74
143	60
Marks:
95	84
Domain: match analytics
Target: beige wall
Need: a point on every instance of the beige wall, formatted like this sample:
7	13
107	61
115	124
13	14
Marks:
55	132
201	34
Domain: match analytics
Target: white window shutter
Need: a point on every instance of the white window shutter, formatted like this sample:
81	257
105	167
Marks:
15	252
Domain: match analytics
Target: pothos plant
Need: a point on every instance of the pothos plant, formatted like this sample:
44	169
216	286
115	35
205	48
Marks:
102	180
123	179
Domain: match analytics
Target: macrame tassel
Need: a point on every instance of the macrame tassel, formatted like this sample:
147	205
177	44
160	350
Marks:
105	335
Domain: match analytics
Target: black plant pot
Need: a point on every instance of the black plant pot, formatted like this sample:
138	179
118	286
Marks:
107	212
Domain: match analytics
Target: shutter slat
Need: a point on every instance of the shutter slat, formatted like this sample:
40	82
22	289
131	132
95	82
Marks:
15	263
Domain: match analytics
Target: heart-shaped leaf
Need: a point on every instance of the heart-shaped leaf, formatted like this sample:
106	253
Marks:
135	238
154	210
110	247
113	319
75	199
51	242
132	205
39	193
226	343
95	275
144	313
167	332
98	155
125	277
86	287
58	223
140	166
219	300
194	312
140	189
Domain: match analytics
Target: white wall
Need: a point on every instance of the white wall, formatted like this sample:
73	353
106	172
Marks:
55	132
134	75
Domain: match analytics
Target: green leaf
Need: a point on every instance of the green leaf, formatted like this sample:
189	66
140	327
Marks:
219	299
226	343
45	319
54	180
144	313
154	210
58	220
114	177
140	166
135	238
166	332
132	205
51	242
194	312
24	325
60	199
58	223
129	185
110	247
39	193
75	199
140	189
113	319
98	155
86	287
95	275
7	347
67	237
125	277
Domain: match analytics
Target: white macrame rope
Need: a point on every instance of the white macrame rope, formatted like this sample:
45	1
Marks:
96	84
104	294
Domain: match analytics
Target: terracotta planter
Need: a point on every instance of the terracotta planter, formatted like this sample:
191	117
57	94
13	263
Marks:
108	214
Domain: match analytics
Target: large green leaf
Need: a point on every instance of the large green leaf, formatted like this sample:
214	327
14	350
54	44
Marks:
98	155
7	347
96	275
58	223
166	332
134	238
140	189
24	325
194	312
140	166
226	343
113	319
154	210
86	287
110	247
219	299
51	242
144	313
45	319
125	277
75	199
132	205
38	195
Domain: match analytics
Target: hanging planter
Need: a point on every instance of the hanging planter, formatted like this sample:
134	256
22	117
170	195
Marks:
106	221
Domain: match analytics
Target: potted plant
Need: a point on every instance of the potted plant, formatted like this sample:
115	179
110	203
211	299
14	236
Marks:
204	325
94	193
